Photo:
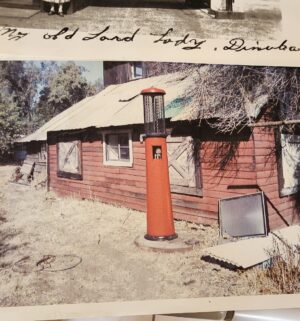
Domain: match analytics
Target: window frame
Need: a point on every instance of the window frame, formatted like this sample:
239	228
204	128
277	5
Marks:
65	174
119	162
134	66
283	191
187	190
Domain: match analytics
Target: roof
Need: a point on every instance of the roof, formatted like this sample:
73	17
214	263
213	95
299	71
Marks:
41	133
122	104
117	105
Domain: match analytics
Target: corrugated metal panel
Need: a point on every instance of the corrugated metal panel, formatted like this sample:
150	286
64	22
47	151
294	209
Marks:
122	104
41	133
252	251
117	105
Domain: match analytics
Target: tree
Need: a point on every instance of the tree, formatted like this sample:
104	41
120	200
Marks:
97	86
230	97
19	81
64	87
11	127
34	92
162	68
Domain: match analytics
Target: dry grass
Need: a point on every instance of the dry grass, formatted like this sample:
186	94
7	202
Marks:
283	273
57	250
41	227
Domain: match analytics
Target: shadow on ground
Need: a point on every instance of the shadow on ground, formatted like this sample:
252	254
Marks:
7	241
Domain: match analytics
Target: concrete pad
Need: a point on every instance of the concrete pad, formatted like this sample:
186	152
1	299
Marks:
17	13
180	244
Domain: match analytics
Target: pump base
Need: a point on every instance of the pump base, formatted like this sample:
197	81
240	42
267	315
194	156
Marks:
161	238
180	244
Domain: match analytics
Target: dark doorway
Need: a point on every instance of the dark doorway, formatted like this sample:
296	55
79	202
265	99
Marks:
201	4
229	5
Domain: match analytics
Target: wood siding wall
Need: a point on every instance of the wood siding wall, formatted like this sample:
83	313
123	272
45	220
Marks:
249	166
117	185
282	211
116	72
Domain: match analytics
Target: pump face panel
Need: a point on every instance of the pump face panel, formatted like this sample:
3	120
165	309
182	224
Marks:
157	152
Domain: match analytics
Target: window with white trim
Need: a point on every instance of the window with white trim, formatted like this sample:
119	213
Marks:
117	148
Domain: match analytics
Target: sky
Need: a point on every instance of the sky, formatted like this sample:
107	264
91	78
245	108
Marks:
94	69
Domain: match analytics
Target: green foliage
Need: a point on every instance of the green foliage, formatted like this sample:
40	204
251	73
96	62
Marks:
10	128
65	87
32	93
19	81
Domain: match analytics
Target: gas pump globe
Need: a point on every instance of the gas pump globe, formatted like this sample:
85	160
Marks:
154	111
160	223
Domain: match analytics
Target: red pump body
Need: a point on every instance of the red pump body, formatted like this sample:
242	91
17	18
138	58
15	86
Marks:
160	223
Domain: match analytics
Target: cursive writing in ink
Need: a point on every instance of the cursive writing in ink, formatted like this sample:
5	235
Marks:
239	44
60	33
12	33
186	42
100	36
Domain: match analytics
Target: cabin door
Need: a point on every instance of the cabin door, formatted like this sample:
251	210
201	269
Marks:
183	165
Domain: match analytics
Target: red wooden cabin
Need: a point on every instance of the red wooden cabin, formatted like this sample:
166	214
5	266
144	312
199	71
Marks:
96	152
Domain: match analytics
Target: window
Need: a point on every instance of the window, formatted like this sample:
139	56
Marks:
42	155
117	148
289	162
137	70
69	159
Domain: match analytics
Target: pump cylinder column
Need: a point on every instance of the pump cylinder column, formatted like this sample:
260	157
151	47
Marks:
160	222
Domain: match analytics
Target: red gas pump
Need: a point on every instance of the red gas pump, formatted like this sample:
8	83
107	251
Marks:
160	223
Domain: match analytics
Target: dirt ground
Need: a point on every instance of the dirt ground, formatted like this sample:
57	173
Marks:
125	20
63	250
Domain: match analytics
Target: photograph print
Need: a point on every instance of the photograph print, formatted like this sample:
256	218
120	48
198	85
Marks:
129	181
204	19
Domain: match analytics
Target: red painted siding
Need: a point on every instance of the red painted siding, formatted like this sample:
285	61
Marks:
253	163
282	210
110	184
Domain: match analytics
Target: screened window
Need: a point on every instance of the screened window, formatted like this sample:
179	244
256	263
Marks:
69	159
118	149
